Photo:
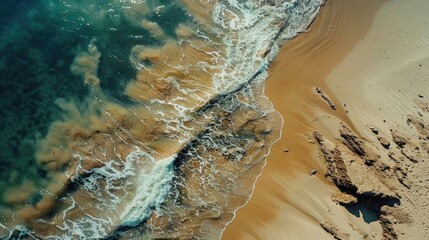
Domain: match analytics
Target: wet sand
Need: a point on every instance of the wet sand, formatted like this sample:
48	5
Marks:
369	60
288	202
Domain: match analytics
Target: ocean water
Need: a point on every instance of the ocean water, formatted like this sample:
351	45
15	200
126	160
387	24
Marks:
136	119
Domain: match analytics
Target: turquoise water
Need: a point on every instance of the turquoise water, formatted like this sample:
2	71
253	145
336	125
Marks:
34	71
136	119
36	49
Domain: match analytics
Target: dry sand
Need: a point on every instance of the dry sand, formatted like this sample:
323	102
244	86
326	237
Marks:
370	58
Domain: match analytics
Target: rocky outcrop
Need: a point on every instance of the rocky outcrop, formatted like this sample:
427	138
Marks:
347	166
344	199
325	98
355	167
384	142
334	231
388	179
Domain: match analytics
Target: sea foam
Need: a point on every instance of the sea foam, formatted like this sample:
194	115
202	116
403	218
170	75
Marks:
154	186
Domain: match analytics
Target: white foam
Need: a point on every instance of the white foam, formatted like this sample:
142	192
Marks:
253	33
153	187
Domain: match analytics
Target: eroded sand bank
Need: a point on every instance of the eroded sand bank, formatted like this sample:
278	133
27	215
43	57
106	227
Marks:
369	60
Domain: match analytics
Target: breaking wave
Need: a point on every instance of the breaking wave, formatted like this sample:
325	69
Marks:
160	126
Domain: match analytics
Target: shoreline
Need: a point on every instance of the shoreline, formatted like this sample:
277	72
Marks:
281	208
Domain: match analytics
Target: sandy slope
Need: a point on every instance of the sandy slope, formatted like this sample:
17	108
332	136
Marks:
387	87
370	59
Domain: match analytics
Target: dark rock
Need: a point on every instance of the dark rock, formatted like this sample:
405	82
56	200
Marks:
399	140
374	130
312	172
384	142
387	222
326	98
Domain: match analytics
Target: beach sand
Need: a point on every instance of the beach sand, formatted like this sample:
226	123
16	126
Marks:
369	59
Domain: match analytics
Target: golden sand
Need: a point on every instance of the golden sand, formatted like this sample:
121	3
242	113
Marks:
287	201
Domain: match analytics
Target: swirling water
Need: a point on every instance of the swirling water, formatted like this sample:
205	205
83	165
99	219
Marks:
134	119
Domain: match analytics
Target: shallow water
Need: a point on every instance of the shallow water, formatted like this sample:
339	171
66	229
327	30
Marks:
130	119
